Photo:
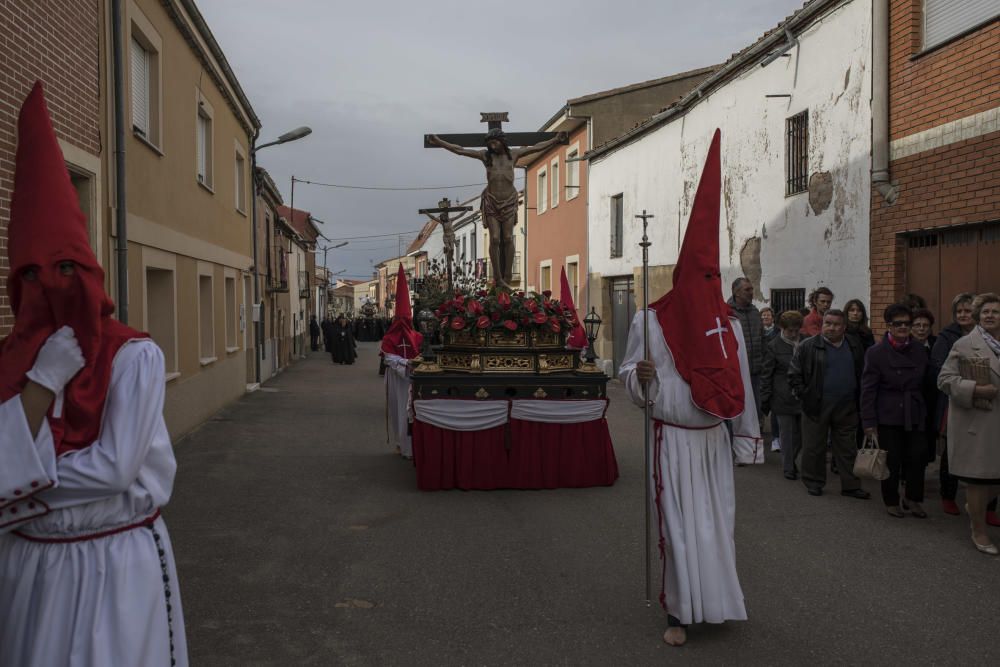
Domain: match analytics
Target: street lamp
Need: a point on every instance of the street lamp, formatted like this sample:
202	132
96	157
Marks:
293	135
592	324
428	323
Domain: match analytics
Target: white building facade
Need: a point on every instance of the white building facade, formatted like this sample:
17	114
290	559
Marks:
796	165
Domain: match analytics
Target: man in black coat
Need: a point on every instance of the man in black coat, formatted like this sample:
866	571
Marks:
825	374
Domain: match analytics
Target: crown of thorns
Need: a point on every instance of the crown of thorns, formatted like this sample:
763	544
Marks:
496	133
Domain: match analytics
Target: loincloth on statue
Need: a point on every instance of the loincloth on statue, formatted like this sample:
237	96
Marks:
501	211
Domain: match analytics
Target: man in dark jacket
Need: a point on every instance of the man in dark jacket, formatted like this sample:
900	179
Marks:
825	374
753	331
776	395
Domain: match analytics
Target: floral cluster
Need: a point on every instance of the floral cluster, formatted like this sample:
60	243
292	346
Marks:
500	309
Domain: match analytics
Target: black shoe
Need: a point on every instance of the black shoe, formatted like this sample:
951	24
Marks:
814	491
860	494
791	475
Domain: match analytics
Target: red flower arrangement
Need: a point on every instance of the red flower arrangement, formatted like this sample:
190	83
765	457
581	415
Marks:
500	309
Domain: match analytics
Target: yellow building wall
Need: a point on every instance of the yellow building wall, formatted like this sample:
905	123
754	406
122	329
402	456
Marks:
194	227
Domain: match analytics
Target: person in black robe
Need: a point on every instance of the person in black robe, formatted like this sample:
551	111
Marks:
342	349
313	333
327	328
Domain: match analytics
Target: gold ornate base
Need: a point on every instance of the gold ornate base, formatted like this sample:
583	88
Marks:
503	352
589	367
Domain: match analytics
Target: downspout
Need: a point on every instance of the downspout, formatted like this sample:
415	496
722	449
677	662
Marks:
259	322
881	178
121	213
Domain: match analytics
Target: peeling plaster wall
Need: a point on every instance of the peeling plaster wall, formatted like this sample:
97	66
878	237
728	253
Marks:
829	74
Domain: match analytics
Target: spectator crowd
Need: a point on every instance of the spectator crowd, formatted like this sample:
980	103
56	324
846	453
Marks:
830	382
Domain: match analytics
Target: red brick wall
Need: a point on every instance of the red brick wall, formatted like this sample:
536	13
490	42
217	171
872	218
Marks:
955	184
58	42
953	81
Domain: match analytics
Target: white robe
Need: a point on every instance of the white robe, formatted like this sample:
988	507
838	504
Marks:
100	601
397	387
696	500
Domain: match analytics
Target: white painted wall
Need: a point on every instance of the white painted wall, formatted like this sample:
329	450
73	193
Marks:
829	74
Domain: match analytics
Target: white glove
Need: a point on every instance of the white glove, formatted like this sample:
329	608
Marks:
58	361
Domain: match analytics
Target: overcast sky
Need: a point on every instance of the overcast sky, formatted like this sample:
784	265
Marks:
372	77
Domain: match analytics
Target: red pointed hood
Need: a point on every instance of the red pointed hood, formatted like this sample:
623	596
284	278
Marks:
577	338
402	339
46	229
693	315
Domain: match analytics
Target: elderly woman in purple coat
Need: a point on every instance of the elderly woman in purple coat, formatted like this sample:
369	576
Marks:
893	409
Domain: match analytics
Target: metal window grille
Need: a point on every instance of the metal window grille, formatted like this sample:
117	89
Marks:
787	299
922	240
617	224
797	153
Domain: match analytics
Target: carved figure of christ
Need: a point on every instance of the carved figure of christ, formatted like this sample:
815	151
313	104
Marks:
499	200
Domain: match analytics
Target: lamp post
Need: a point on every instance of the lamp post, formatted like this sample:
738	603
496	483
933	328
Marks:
592	324
293	135
428	323
326	271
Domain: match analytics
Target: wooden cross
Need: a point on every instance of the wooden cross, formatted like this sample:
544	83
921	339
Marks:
441	214
494	120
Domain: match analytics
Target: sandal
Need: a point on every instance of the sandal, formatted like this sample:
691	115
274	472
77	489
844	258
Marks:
895	511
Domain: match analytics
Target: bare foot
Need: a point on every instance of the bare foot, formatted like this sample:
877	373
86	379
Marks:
675	636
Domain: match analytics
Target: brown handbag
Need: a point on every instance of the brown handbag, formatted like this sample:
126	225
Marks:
871	460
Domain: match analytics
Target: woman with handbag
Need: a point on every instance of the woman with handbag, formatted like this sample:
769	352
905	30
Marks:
894	411
970	377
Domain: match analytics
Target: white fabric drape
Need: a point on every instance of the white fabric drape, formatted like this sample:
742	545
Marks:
557	412
458	415
465	415
98	601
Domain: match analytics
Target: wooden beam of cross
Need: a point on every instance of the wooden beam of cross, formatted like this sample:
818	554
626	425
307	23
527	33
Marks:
494	120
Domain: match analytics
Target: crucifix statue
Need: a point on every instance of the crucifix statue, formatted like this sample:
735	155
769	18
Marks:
444	210
498	204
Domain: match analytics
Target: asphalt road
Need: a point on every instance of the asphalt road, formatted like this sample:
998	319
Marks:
301	539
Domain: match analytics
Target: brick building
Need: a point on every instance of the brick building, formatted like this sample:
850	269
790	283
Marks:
58	43
941	236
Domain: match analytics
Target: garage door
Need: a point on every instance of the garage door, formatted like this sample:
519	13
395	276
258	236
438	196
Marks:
941	264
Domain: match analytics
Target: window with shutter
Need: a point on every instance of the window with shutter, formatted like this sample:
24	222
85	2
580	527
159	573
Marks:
543	192
617	224
201	148
555	183
204	145
140	88
241	193
944	19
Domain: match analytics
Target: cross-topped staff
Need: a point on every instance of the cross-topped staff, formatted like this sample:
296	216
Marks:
499	200
645	355
443	211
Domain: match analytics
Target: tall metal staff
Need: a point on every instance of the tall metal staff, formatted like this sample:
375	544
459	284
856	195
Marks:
645	356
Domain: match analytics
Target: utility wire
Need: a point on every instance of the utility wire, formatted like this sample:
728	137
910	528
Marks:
374	236
392	189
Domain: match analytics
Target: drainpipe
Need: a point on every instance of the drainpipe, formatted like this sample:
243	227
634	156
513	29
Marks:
881	178
121	214
259	324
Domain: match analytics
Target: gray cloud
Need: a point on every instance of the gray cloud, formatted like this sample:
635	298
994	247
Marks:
371	78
